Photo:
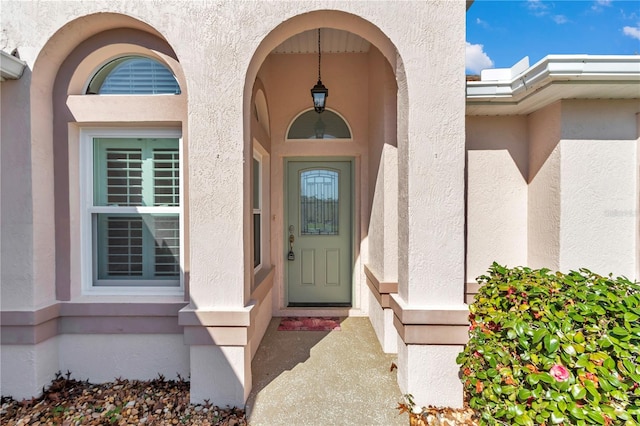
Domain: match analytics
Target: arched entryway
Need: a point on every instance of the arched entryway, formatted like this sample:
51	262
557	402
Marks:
408	188
363	91
359	67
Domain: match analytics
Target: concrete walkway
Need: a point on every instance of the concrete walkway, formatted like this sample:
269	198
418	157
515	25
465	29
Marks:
324	378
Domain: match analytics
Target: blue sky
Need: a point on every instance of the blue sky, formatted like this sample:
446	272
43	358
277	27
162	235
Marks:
501	32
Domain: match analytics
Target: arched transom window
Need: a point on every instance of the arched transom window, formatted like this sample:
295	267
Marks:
311	125
133	75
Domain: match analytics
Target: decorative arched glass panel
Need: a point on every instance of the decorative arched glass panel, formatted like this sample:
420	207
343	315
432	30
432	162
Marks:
311	125
133	75
319	200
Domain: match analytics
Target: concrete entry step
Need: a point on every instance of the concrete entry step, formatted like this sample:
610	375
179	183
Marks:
324	378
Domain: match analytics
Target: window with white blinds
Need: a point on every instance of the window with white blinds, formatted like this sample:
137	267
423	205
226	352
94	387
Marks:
135	212
133	75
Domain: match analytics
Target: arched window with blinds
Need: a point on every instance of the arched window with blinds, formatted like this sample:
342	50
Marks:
133	75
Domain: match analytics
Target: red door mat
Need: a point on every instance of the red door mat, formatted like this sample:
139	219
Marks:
309	324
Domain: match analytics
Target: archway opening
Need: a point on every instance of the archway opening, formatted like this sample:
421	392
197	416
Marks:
360	67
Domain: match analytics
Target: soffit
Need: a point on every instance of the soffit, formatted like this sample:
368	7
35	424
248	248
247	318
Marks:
331	41
555	78
553	92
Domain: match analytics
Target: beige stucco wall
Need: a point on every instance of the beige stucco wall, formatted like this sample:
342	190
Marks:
599	167
383	168
543	244
16	208
103	358
556	189
382	233
431	156
25	369
581	212
497	169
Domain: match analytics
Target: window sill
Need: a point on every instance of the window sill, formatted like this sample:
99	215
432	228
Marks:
120	297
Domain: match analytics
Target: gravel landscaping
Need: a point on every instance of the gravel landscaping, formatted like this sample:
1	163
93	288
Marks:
70	402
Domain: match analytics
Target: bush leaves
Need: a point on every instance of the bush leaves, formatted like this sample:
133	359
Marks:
553	348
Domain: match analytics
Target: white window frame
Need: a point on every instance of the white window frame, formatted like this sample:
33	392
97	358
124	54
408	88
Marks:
88	209
258	157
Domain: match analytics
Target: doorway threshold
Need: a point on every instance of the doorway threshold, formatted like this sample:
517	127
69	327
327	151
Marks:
318	311
319	305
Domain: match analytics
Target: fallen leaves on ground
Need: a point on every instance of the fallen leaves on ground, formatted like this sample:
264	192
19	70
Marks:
444	417
436	416
70	402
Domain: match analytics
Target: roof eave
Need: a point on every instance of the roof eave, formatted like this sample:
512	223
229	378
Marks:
11	68
592	69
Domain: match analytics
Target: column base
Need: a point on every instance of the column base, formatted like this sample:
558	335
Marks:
430	374
220	375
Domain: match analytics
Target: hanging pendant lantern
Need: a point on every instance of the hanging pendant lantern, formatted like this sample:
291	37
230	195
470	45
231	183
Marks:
319	93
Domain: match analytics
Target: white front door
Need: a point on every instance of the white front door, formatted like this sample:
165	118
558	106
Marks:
318	233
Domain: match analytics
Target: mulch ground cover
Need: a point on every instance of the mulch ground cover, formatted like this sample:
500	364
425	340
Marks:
70	402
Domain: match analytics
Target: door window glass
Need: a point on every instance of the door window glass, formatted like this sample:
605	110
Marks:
319	202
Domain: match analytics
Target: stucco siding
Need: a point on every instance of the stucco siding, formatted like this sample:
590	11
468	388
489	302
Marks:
599	186
431	159
543	201
105	357
598	206
16	209
26	369
497	154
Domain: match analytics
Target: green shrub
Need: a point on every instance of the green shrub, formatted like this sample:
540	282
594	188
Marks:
550	348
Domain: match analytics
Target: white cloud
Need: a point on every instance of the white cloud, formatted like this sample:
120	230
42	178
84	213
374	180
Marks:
541	9
599	4
537	7
476	59
633	32
483	24
560	19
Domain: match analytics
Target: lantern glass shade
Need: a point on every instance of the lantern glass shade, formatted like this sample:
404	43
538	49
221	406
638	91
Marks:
319	93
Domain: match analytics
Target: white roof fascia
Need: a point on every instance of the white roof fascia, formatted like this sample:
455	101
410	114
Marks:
11	68
557	68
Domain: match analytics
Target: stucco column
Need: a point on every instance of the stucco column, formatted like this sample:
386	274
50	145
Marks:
430	315
216	321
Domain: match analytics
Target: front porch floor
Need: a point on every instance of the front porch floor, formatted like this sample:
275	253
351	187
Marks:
324	378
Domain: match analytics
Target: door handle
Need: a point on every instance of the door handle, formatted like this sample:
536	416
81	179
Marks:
291	255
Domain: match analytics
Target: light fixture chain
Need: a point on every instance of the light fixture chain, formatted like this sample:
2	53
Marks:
319	55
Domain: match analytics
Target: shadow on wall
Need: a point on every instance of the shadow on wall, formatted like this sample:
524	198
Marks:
507	133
